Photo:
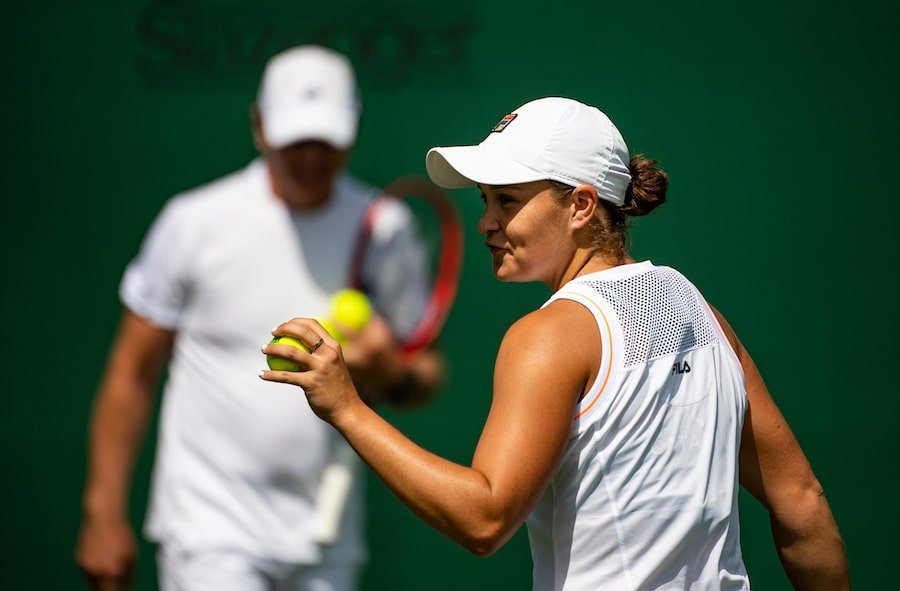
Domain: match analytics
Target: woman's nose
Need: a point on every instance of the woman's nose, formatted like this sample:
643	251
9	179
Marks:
487	222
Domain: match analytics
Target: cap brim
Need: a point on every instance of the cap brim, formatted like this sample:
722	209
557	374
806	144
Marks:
464	166
333	126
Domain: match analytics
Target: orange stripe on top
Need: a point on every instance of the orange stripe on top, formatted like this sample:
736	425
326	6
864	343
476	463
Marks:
609	365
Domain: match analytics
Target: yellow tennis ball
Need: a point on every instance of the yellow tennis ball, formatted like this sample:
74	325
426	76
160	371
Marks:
279	364
351	308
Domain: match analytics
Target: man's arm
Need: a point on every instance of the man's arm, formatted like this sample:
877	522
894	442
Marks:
775	470
106	548
399	280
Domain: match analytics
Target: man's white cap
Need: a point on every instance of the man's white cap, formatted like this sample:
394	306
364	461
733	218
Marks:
550	138
309	93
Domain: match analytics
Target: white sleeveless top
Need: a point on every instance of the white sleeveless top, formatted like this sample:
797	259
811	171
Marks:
645	496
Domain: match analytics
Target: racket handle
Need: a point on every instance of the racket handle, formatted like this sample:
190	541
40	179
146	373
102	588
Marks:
333	493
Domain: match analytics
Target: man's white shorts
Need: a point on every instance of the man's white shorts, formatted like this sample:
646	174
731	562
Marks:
181	570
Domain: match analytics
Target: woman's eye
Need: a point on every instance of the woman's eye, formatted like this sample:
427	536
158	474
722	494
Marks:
501	199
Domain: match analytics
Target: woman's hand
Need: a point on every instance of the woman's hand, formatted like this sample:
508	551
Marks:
323	374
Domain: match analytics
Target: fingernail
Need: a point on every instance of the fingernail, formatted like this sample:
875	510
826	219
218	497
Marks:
261	373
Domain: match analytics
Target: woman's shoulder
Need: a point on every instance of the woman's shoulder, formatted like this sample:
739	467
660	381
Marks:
557	345
555	326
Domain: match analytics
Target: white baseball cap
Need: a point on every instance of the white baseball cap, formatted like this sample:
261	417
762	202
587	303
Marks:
549	138
309	93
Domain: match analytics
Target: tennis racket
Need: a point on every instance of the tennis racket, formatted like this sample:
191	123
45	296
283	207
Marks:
438	214
442	216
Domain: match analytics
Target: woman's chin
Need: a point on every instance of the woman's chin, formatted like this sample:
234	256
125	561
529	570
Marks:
504	273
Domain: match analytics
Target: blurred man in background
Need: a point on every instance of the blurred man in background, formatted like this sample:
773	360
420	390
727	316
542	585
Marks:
239	461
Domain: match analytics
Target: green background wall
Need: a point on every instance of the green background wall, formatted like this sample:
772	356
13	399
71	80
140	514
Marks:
776	120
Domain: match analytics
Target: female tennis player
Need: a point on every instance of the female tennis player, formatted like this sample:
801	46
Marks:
625	411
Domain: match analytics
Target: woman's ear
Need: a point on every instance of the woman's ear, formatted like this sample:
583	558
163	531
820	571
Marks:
584	205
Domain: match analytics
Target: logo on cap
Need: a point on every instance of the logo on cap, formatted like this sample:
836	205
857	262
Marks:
504	122
311	94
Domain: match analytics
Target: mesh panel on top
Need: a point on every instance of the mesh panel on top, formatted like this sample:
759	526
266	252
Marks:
660	314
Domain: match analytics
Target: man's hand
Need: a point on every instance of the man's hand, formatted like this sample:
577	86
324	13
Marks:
383	373
372	355
107	553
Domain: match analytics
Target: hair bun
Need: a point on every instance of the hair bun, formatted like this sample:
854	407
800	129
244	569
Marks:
648	186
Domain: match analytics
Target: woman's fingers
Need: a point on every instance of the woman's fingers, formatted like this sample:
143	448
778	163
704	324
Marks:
315	363
296	340
306	329
301	341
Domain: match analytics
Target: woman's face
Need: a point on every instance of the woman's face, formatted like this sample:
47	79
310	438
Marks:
527	230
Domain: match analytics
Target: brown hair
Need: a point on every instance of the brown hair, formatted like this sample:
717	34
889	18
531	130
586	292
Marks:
646	192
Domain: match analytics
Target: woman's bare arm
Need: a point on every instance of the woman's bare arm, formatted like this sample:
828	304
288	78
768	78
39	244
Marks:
774	469
544	363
